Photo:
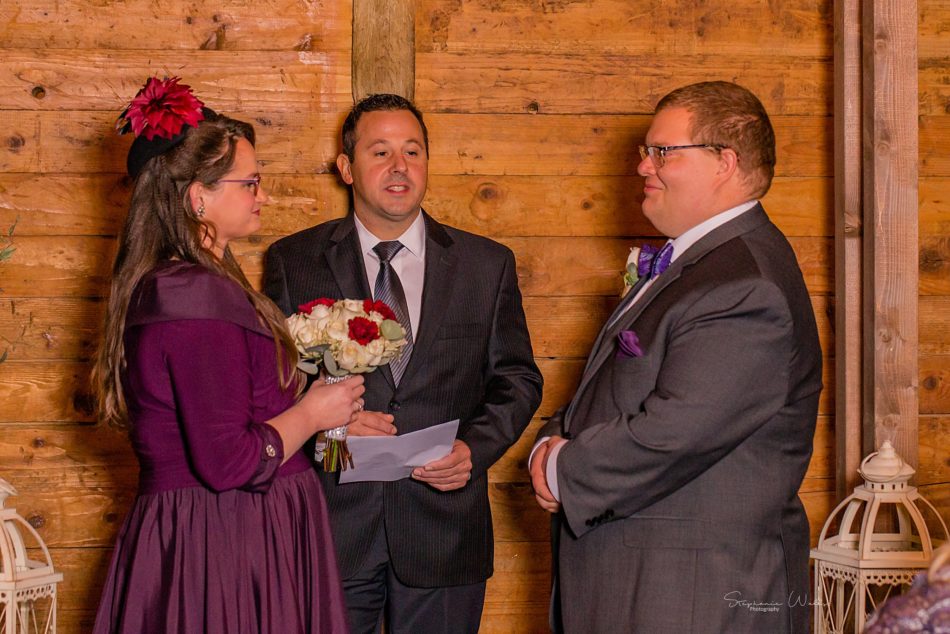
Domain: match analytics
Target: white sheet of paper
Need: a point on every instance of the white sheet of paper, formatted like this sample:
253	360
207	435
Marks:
388	458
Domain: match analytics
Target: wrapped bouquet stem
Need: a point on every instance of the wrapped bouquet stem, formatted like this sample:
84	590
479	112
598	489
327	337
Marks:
332	449
344	337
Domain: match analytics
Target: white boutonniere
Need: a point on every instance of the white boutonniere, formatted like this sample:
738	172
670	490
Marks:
630	272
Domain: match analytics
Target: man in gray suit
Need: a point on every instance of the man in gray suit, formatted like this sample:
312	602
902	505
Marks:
673	474
417	550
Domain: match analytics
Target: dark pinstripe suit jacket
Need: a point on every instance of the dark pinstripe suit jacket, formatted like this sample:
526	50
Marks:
471	360
679	486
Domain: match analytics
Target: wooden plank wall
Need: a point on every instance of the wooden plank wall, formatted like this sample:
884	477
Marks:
66	68
535	110
933	475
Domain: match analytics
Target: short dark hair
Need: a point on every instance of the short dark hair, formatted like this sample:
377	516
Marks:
728	115
375	103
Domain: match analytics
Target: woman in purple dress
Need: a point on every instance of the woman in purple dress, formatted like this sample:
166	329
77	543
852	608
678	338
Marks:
229	531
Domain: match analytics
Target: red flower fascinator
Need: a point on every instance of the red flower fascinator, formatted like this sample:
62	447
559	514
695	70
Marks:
159	115
161	108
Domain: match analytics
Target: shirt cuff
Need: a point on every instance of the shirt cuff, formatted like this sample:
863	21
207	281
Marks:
550	474
540	442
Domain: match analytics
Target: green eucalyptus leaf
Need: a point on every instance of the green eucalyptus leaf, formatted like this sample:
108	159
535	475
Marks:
6	252
330	364
391	330
309	367
317	350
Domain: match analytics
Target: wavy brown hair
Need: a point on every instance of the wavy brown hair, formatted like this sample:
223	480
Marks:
161	225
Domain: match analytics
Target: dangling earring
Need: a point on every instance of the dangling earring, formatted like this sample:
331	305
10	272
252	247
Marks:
201	210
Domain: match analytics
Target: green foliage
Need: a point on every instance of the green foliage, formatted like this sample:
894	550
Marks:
7	248
6	252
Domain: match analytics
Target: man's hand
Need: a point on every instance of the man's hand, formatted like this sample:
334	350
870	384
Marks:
371	424
537	468
448	473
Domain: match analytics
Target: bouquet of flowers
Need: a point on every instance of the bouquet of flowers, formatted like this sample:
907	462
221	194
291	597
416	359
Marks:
345	336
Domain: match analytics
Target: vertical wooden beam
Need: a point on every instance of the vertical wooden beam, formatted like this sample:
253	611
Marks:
384	55
848	245
890	224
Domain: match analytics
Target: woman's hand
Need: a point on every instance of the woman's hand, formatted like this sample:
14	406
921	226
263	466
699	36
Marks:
329	406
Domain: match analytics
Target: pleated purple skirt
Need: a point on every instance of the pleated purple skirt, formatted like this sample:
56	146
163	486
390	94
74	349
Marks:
191	560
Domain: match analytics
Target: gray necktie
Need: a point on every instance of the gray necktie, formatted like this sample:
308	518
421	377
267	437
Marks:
389	289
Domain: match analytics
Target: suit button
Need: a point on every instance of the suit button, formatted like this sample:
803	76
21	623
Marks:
589	522
393	406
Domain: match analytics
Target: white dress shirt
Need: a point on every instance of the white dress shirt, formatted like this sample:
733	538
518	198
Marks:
680	245
409	264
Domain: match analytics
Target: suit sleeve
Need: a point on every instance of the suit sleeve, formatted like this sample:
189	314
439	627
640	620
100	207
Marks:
275	281
554	426
513	386
725	374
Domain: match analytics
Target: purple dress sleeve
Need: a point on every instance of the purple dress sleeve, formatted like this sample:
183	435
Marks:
201	381
210	368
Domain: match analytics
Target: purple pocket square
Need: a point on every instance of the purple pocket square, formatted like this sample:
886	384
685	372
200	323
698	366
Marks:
628	345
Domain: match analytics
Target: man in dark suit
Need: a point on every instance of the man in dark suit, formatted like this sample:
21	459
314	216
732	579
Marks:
417	550
673	473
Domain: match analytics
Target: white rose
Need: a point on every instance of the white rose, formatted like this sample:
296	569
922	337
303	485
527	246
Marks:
302	332
319	322
349	356
353	305
319	312
363	359
295	327
374	352
337	331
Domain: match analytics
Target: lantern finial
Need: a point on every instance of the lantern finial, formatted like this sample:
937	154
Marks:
885	465
6	490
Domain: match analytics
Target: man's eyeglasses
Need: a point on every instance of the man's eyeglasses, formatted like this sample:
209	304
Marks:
657	153
253	184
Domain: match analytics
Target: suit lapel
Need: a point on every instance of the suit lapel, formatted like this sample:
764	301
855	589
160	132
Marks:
598	346
344	258
440	268
611	321
606	342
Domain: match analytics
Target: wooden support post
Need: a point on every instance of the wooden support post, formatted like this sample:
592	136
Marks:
848	246
890	280
384	55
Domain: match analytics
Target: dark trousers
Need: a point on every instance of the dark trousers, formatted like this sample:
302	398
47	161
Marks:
375	591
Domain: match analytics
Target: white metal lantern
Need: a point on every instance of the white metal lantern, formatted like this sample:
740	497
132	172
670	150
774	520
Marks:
864	560
27	587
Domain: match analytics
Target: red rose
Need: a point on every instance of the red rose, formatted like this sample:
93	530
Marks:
309	306
380	307
162	108
362	330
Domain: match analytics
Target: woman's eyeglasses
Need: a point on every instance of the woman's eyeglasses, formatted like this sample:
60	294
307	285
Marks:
253	184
